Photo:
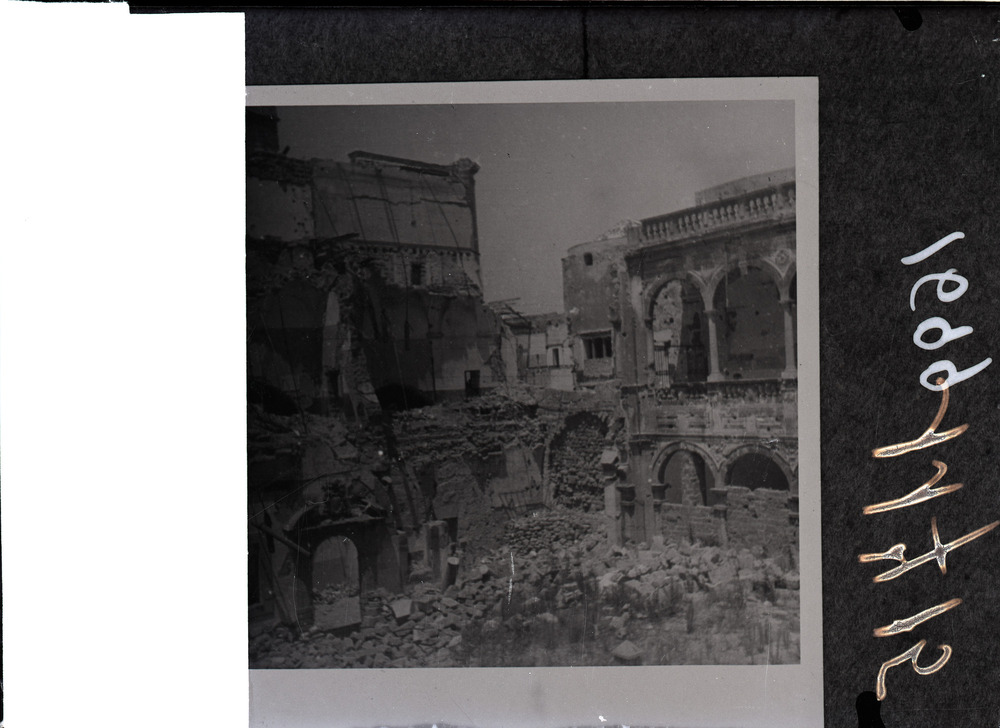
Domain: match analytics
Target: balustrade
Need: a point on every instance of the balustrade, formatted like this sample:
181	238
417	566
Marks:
756	206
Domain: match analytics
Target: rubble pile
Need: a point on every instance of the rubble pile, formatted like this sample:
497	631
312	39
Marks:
471	430
572	601
553	529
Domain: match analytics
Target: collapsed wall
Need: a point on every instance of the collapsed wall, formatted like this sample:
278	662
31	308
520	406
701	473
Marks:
428	484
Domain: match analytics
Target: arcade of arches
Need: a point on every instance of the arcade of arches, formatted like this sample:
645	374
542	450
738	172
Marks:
747	501
748	333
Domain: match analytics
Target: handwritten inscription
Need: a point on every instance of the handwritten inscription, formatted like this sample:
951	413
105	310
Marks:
948	333
928	490
911	654
923	493
939	554
930	436
907	625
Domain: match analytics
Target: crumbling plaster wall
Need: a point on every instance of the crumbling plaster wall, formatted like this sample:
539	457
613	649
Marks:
591	289
279	210
487	459
388	298
390	203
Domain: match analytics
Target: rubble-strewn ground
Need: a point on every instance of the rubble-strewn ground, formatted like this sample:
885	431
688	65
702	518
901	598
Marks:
558	594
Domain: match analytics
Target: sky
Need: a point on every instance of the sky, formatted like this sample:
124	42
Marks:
553	175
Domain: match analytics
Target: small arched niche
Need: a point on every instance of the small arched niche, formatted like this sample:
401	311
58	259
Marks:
336	567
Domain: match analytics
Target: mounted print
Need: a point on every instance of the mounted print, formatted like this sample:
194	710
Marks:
532	383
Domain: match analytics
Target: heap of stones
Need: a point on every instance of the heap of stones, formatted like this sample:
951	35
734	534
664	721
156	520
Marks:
534	594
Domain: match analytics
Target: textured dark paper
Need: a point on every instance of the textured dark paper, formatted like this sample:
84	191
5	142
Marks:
908	154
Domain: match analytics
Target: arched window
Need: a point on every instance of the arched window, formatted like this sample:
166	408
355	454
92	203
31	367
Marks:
679	336
751	329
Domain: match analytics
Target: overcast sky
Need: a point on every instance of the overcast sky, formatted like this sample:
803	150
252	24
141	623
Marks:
554	175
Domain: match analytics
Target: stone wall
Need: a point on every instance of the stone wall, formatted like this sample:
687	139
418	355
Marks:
760	517
694	524
748	519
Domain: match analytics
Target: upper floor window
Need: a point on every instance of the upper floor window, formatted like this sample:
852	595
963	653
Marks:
416	274
597	347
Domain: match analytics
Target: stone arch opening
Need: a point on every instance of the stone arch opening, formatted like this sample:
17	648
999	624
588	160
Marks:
685	478
751	330
754	470
336	566
679	332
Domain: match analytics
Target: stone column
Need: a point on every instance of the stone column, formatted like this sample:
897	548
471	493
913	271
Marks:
613	514
791	370
714	375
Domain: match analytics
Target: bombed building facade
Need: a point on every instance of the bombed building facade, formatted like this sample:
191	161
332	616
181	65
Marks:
541	354
436	481
363	298
690	317
382	432
392	240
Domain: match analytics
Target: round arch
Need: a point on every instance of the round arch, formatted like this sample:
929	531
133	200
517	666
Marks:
653	288
772	270
336	564
690	488
761	453
667	451
750	321
677	329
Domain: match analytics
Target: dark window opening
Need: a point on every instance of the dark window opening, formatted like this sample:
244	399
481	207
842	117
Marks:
588	258
416	274
472	383
598	347
452	524
333	382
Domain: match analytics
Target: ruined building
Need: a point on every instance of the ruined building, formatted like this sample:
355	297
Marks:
434	481
363	279
690	317
363	298
541	355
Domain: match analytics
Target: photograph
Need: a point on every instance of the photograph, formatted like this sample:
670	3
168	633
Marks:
522	384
